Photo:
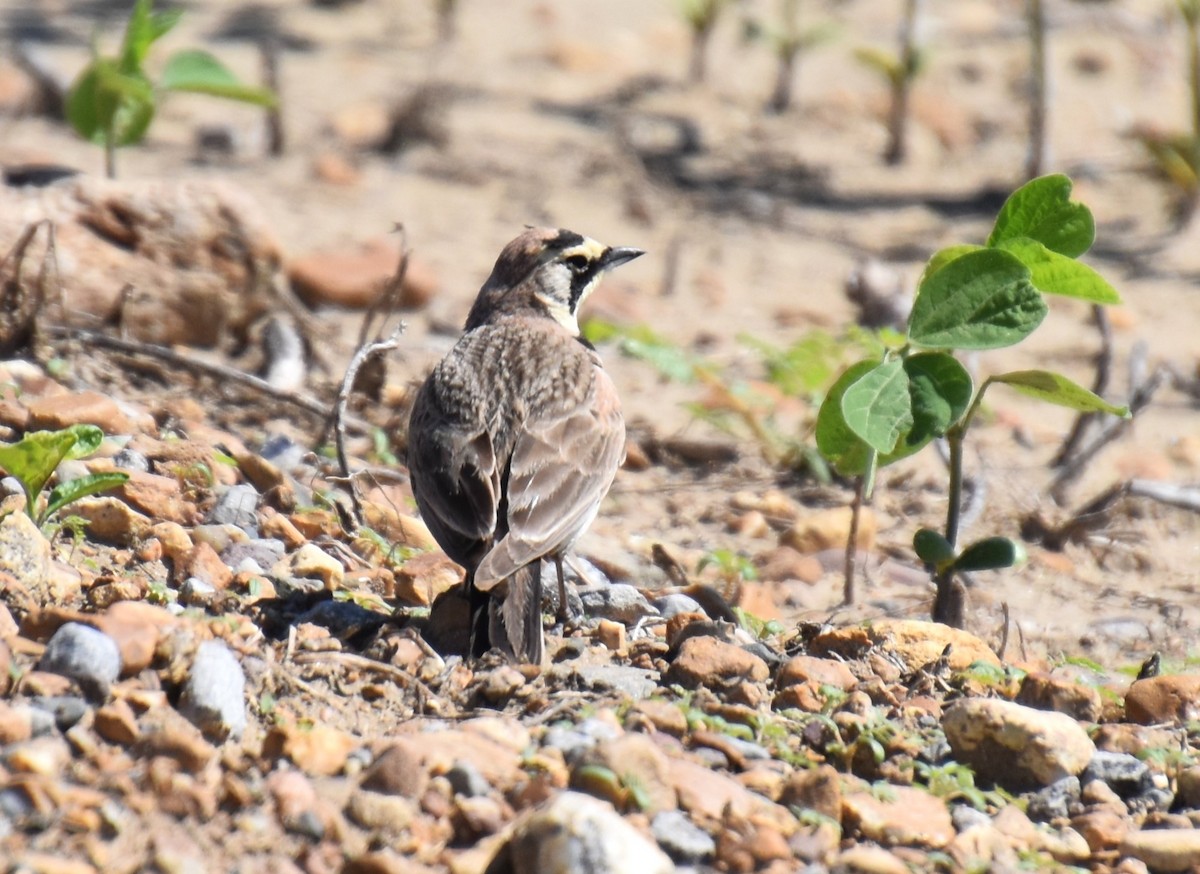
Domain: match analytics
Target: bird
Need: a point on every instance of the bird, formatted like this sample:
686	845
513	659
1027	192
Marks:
516	435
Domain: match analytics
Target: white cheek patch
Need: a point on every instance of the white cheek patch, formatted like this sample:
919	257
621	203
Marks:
561	313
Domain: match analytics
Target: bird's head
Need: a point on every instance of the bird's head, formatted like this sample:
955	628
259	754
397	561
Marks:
548	271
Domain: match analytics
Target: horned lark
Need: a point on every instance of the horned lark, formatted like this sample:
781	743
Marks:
516	435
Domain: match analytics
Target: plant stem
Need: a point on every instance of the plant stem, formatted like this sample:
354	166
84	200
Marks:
852	541
781	94
954	440
897	149
1035	162
269	52
110	153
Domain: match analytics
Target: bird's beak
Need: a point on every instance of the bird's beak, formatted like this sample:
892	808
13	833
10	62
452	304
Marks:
614	257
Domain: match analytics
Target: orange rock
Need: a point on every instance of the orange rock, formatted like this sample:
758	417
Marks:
336	169
136	627
909	817
203	563
1047	692
116	723
705	662
159	497
826	672
424	577
356	278
917	643
83	408
1167	699
320	750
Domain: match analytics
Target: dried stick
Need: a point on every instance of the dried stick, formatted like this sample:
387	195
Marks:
387	303
1104	359
219	371
1139	399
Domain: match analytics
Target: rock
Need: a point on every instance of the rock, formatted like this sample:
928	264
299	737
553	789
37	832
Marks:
829	529
159	497
112	520
611	635
466	781
203	563
355	278
683	840
1055	801
195	592
659	716
214	695
818	789
902	815
43	756
675	604
116	723
16	723
238	506
384	862
1017	746
705	662
1125	774
198	255
89	657
619	602
1164	850
312	562
136	627
164	732
707	793
1173	698
784	563
635	683
25	555
391	814
1047	692
397	771
915	642
1103	828
824	672
635	758
426	576
54	412
320	750
264	553
572	827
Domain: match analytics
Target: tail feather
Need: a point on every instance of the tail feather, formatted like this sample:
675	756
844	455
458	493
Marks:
515	622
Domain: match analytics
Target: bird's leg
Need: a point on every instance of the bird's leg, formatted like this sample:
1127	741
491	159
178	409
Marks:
480	637
564	613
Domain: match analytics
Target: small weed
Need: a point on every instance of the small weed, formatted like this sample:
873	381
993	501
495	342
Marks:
33	460
113	100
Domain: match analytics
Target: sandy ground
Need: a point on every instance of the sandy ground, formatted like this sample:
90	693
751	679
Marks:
778	212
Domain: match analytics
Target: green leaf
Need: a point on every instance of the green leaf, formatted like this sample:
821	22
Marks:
198	72
980	300
880	61
1053	273
143	28
1042	210
942	257
933	549
989	554
104	98
941	391
87	440
33	461
73	490
878	408
844	449
1056	389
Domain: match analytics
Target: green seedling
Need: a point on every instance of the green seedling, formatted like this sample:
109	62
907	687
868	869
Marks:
953	781
33	460
701	17
969	298
787	41
899	70
113	100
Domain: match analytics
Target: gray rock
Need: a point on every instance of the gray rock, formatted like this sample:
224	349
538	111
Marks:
1125	774
237	505
1055	801
283	452
214	695
619	602
683	840
635	682
576	832
571	743
262	551
343	618
964	817
129	459
89	657
674	604
466	780
64	710
195	592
